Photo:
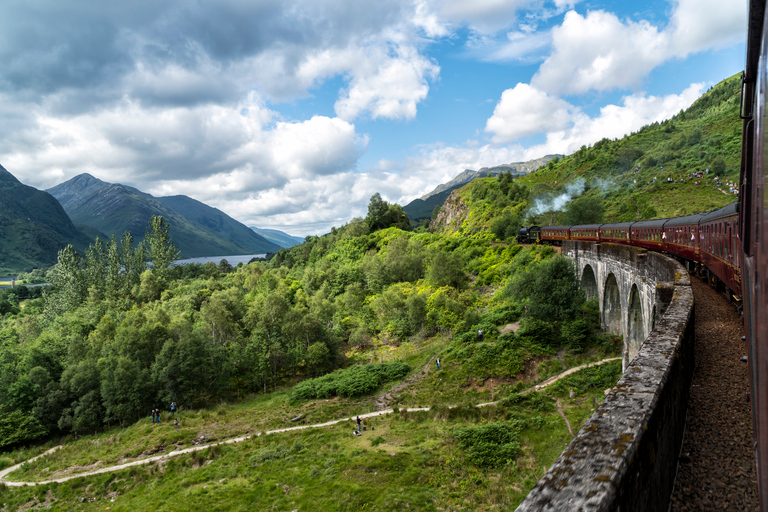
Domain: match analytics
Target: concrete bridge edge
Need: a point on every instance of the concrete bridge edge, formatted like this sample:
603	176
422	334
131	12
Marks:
625	456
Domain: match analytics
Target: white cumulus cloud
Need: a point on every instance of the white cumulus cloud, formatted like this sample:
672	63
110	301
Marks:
526	110
599	52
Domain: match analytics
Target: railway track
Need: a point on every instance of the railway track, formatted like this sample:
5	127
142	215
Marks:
716	470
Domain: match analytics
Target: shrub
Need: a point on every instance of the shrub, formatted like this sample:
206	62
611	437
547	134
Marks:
538	331
576	334
350	382
491	445
376	441
593	378
269	453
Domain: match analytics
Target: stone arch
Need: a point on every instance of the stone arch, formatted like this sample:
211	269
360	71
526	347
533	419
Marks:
635	323
588	282
612	306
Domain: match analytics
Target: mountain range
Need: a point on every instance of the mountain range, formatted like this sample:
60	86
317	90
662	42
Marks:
278	237
197	229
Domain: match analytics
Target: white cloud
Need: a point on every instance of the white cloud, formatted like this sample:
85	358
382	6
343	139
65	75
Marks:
599	52
387	86
485	16
615	121
698	25
318	146
524	111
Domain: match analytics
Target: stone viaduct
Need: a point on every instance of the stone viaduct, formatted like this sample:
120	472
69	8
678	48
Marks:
632	292
625	456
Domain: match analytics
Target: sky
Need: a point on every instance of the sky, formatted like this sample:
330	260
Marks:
291	114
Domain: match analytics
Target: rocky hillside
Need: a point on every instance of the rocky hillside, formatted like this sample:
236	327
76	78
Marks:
451	216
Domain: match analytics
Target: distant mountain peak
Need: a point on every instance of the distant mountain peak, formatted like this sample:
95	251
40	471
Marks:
7	176
85	180
197	229
467	175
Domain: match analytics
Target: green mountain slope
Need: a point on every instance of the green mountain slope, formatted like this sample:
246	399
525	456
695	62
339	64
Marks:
115	208
652	173
278	237
686	164
220	223
33	227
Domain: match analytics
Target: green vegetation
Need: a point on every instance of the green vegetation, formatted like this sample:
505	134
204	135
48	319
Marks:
350	382
333	328
324	330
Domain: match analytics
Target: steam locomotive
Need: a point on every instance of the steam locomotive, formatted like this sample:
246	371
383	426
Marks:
728	245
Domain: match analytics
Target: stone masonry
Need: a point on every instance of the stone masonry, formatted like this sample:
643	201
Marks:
625	456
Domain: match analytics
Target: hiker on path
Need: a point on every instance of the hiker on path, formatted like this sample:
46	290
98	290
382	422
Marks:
173	407
153	415
357	432
157	413
437	362
480	335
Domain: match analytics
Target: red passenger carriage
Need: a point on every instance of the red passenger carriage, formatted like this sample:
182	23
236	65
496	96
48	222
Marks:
719	241
617	233
556	234
648	234
586	233
680	236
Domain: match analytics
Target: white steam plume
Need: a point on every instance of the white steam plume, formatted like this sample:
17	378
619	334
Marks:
554	204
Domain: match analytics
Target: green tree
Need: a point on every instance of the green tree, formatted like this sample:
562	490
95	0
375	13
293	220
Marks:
382	215
718	165
551	290
447	269
584	210
69	282
162	251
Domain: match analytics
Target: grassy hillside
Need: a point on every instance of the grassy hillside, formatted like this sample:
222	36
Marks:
659	171
631	174
314	335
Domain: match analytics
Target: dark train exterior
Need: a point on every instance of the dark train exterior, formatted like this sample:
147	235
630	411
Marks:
752	231
528	235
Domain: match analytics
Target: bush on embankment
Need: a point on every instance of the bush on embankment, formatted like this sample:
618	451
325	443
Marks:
350	382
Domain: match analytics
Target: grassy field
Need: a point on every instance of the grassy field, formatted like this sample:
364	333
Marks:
403	461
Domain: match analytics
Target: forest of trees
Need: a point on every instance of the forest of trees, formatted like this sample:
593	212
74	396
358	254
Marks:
123	330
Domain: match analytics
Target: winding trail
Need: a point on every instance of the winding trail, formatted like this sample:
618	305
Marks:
191	449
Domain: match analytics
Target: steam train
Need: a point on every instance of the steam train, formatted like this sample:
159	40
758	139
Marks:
707	243
729	245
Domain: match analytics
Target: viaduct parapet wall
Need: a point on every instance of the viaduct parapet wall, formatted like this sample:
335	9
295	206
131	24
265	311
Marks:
625	456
